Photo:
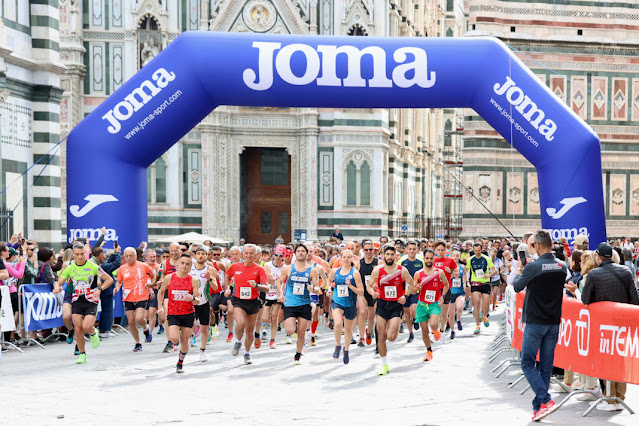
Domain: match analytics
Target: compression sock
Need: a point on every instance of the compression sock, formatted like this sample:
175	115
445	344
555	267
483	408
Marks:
314	326
181	358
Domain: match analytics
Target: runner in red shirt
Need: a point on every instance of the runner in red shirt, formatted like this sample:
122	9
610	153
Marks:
167	267
430	283
182	290
447	265
387	284
249	278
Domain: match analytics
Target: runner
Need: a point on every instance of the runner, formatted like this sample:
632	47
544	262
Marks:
366	303
151	313
447	265
387	284
167	268
249	279
495	281
413	265
301	280
457	294
236	257
317	300
477	267
432	285
347	286
182	290
85	289
215	260
257	258
207	279
271	311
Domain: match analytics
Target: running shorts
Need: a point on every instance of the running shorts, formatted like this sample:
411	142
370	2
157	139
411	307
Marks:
350	313
411	300
132	306
389	309
426	310
483	288
303	311
203	313
185	320
251	307
84	308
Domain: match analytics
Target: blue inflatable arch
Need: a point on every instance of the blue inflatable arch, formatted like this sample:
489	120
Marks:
201	70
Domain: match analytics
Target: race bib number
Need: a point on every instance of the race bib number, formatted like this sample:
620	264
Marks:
456	282
479	273
246	292
390	292
298	289
202	298
125	293
342	290
272	288
429	296
179	295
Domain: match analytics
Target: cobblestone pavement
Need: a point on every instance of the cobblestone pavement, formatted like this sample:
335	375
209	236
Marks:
118	386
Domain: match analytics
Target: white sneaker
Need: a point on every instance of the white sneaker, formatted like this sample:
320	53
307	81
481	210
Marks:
590	397
606	406
202	356
288	340
105	335
558	388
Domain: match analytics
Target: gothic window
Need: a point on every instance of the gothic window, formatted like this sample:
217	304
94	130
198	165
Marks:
365	185
357	30
351	184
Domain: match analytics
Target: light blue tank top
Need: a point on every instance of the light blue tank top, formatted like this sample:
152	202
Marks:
342	295
296	293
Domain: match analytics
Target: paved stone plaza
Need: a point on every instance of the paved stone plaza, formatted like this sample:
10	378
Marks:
118	386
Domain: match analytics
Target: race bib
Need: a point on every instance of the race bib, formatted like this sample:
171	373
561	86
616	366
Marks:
272	288
125	293
342	290
366	278
246	292
456	282
390	292
429	297
298	289
479	273
179	295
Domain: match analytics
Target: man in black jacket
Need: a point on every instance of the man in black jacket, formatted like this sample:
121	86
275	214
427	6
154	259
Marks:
610	282
543	280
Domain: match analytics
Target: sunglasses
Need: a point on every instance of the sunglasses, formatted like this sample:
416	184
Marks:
369	249
277	255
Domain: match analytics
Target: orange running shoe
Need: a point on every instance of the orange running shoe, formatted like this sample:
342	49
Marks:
230	337
369	338
437	335
429	356
257	343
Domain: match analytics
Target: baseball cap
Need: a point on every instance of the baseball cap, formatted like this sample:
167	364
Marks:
581	239
604	250
13	252
280	250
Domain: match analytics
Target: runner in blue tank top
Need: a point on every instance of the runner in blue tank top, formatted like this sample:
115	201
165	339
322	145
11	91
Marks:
301	280
347	286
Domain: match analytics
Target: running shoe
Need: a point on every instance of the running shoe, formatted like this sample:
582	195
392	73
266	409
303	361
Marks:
416	325
161	329
148	335
353	341
229	338
476	330
361	344
193	342
486	324
437	335
138	347
202	356
76	351
369	338
168	348
288	340
214	332
95	339
545	410
82	359
336	352
331	325
247	359
384	370
429	356
210	338
447	328
273	345
176	348
197	331
264	335
376	354
452	334
236	348
295	335
346	358
70	336
257	342
313	342
296	359
178	368
459	326
411	337
401	327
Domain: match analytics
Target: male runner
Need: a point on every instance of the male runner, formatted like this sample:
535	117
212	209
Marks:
215	260
413	264
478	266
387	285
366	303
249	278
236	257
85	289
347	286
182	290
167	268
207	279
317	300
301	279
271	311
136	278
150	259
447	265
430	283
458	295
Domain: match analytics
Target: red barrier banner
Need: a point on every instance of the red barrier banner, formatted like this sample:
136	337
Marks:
599	340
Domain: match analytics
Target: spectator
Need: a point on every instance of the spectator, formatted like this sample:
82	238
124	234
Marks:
544	281
106	296
12	266
45	271
279	240
581	243
338	235
610	282
627	256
